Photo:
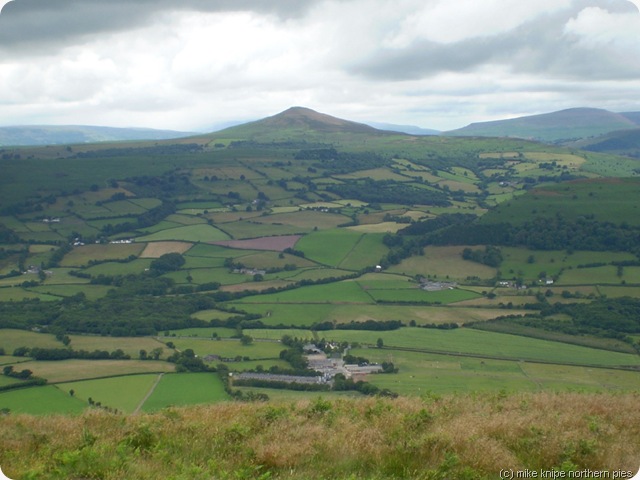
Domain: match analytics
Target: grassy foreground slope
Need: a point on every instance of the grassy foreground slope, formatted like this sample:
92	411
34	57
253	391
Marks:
464	437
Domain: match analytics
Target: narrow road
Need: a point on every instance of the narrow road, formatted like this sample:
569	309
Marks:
146	397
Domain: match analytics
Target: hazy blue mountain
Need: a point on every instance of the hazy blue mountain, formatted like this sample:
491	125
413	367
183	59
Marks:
29	135
410	129
565	125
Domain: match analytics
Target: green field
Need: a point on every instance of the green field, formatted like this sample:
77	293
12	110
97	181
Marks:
204	332
44	400
122	393
76	369
10	339
346	291
186	389
229	348
129	345
367	252
420	373
189	233
610	200
467	341
82	255
304	315
418	295
91	292
329	247
443	263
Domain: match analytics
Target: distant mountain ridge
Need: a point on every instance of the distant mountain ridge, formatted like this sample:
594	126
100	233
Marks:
35	135
409	129
565	125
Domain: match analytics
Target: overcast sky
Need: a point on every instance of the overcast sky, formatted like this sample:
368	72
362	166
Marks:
194	64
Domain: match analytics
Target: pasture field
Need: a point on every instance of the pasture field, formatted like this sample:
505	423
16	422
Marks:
530	263
304	315
206	275
158	227
622	291
10	339
203	332
328	247
367	252
60	276
136	266
125	207
277	334
373	227
186	389
443	263
16	294
4	380
305	220
10	359
588	276
467	341
157	249
243	366
584	378
146	203
189	233
45	400
422	373
318	274
208	204
613	200
202	262
76	369
346	291
81	256
272	259
385	281
216	251
418	295
129	345
92	292
122	393
227	348
186	219
246	229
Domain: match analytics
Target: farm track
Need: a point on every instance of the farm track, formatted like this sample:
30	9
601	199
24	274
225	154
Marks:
149	393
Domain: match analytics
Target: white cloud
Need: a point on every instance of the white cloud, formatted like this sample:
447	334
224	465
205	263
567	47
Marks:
444	21
596	27
435	63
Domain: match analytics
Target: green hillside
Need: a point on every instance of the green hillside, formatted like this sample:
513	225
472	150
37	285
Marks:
458	264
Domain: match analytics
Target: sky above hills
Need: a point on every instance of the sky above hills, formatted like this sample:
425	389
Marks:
196	64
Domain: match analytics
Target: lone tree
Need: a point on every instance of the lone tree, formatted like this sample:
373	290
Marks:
246	340
380	343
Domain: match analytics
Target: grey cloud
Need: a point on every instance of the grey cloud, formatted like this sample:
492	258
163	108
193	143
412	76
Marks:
538	46
34	25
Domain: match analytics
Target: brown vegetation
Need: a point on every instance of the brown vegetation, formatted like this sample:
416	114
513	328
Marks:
466	437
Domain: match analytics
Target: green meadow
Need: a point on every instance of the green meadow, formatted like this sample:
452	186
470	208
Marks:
185	389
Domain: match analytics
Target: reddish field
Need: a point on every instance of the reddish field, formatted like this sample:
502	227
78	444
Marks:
264	243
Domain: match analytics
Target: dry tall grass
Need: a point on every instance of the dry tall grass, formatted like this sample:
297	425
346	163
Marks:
454	437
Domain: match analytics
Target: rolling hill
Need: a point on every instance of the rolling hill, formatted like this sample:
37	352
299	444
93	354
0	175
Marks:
555	127
297	122
623	142
32	135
